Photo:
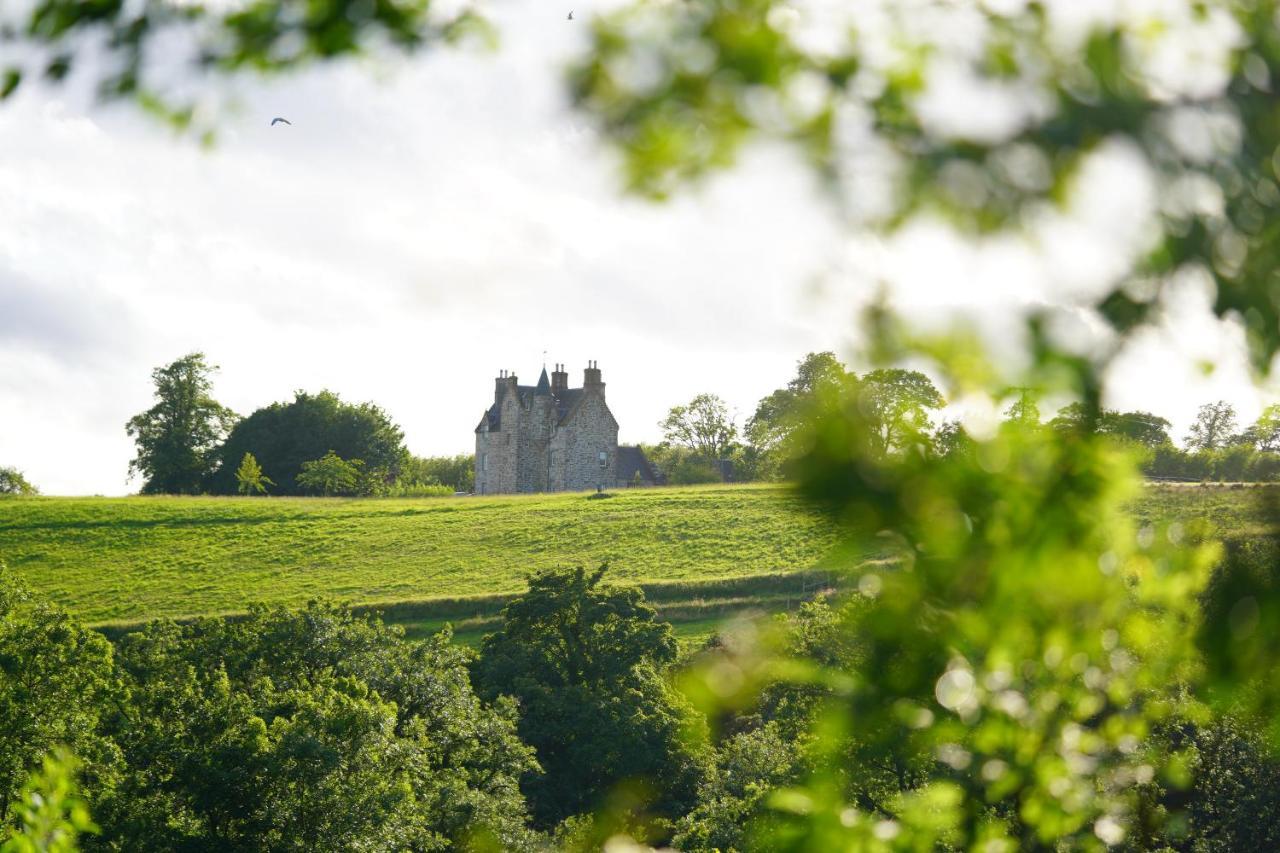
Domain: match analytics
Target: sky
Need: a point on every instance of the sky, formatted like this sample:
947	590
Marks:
426	223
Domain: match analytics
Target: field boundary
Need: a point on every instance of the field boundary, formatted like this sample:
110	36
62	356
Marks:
674	601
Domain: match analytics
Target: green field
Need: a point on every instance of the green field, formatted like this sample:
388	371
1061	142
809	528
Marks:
702	554
115	560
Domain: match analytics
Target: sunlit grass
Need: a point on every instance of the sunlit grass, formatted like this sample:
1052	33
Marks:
126	559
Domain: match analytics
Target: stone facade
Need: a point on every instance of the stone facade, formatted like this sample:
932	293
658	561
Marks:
550	437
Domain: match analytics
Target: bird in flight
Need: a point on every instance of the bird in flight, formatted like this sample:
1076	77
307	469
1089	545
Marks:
571	15
278	120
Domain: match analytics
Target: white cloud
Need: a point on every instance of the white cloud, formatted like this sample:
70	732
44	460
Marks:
421	225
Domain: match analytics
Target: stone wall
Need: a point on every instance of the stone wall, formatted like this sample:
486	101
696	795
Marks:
532	452
589	431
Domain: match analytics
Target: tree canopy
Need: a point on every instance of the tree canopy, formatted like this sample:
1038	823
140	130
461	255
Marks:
704	426
584	661
177	437
12	482
284	436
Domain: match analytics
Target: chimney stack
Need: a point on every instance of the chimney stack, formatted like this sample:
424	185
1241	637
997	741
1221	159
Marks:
559	381
591	377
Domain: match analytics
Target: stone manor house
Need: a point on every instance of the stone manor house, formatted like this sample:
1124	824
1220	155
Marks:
550	437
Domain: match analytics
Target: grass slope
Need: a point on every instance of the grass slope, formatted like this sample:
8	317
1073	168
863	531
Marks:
112	560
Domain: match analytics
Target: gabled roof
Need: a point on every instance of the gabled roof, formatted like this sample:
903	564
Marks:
631	460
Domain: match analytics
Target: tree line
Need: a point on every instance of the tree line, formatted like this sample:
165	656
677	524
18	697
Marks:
314	444
701	436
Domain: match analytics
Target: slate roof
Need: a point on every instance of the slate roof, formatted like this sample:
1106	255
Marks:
564	402
632	459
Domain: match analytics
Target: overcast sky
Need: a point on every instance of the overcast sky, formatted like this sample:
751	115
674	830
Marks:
424	224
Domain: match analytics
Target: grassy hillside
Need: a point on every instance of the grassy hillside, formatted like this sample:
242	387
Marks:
702	554
127	559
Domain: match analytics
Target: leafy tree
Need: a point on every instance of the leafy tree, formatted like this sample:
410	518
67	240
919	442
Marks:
779	416
12	482
283	436
584	661
1264	434
57	684
249	477
748	768
310	730
703	426
176	437
1142	428
330	475
897	403
1214	426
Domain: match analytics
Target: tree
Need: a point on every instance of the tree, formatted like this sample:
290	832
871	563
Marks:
310	730
779	417
249	477
176	437
12	482
584	662
896	404
1265	433
57	684
1142	428
1025	410
283	436
1214	425
330	475
704	426
951	439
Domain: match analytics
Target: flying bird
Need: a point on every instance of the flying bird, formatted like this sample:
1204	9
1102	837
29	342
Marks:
571	15
278	120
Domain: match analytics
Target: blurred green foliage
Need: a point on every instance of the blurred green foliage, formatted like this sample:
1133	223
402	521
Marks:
49	812
136	43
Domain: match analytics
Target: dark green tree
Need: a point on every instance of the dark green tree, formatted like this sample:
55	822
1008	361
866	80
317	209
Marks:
57	683
305	731
585	663
283	436
177	437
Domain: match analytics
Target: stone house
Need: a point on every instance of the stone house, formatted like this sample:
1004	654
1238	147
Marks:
550	438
